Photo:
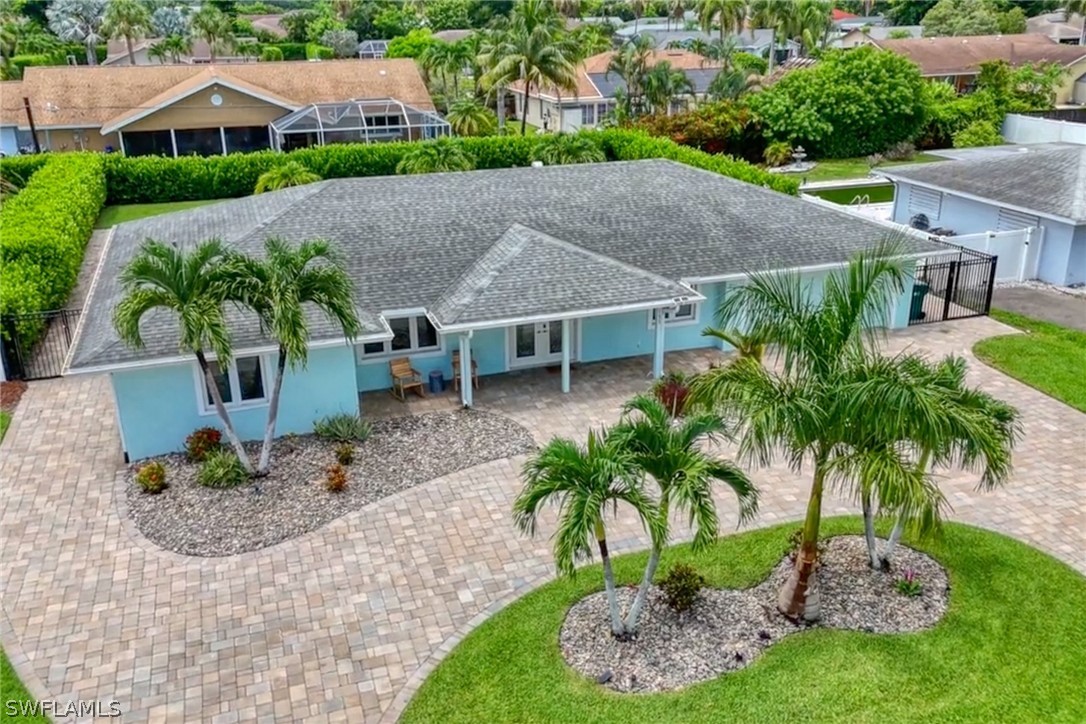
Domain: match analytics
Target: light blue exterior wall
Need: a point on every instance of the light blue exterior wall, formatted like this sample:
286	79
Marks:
1076	263
487	350
9	144
158	406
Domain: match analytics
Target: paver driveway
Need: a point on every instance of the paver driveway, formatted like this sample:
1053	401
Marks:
336	625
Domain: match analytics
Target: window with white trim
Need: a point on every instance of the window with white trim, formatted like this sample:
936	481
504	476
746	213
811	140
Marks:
242	384
409	335
588	114
682	314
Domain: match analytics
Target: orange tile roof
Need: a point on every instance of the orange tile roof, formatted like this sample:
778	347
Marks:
963	55
679	60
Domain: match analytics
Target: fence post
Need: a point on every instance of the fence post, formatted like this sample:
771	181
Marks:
991	284
951	283
1025	254
10	357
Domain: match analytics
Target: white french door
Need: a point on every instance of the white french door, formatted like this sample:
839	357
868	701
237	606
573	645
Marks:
538	343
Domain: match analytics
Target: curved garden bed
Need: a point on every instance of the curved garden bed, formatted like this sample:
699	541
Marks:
1008	649
292	500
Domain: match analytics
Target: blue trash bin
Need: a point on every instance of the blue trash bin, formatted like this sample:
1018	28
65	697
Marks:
437	382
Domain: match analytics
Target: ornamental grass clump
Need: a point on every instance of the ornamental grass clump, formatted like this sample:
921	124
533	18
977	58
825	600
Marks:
342	428
222	469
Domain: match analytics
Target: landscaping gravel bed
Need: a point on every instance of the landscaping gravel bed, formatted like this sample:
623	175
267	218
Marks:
727	629
400	453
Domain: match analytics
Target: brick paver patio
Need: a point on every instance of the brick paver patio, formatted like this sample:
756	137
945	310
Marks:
343	623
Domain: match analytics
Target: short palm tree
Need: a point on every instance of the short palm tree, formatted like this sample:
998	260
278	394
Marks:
727	15
291	173
128	19
670	452
192	284
663	85
279	288
468	117
631	64
745	344
810	23
215	28
585	481
567	148
437	156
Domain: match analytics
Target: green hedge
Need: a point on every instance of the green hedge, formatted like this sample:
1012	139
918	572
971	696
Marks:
46	228
155	179
291	51
19	169
314	51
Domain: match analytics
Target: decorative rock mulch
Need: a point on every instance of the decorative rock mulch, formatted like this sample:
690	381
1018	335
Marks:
727	629
400	453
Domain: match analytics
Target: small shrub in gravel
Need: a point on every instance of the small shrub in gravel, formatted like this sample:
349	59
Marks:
335	480
345	454
681	586
908	584
202	442
672	391
342	428
221	469
152	477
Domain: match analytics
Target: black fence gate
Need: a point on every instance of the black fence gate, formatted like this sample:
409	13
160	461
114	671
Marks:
953	288
34	346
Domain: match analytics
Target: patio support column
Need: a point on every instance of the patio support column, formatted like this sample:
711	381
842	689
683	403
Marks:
565	355
658	351
465	370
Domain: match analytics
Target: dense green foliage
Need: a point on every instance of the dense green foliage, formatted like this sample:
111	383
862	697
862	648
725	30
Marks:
851	103
973	17
45	229
978	133
718	127
18	169
412	45
1009	649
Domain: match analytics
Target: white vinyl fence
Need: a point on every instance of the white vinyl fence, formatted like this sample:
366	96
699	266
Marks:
1028	129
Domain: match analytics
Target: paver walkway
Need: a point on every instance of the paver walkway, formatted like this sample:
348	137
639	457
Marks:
335	626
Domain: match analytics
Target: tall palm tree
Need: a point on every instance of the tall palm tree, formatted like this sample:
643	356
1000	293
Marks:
566	148
215	28
676	12
774	15
585	481
637	7
568	8
128	19
811	22
78	21
192	284
441	155
468	117
663	84
671	453
631	63
728	15
291	173
279	288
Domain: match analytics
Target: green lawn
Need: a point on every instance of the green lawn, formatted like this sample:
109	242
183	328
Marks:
1009	649
847	168
11	689
113	215
5	420
1049	357
875	194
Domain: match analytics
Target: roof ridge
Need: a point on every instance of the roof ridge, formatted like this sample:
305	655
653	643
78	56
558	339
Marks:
305	193
512	241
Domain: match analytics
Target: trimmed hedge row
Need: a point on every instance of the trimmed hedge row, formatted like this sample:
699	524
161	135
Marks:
155	179
46	228
19	169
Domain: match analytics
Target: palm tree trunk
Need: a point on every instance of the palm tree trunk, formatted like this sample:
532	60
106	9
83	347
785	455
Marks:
273	415
131	51
609	582
92	53
646	581
799	598
524	111
869	532
891	542
501	108
220	408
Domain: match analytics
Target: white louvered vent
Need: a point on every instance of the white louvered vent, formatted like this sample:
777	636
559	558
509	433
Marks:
1013	220
925	201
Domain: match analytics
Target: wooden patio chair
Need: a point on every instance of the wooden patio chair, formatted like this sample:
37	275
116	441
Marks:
456	371
404	378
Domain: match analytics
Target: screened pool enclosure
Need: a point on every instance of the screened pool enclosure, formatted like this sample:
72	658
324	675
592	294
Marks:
357	121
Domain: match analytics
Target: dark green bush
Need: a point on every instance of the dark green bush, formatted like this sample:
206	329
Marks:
19	169
681	586
292	51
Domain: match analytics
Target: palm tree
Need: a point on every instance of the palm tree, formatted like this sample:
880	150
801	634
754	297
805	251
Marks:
811	23
671	453
468	117
676	11
746	345
637	7
585	481
568	148
78	21
128	19
662	85
158	51
631	63
278	288
192	284
443	154
728	15
291	173
568	8
731	83
215	28
176	46
774	15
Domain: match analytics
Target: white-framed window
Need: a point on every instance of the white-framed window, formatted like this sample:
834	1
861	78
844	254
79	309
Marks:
244	383
682	314
588	114
410	335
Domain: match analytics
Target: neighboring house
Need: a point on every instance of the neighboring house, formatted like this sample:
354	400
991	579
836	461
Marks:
513	268
13	115
757	42
857	22
199	54
1058	26
855	37
957	60
594	97
1001	189
207	110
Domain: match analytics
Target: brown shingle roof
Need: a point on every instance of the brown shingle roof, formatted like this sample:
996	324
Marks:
679	60
96	95
11	103
963	55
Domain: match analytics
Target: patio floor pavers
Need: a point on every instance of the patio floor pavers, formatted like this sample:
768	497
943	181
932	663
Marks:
343	623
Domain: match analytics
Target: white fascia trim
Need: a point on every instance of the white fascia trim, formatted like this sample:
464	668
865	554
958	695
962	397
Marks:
973	197
214	80
800	269
694	297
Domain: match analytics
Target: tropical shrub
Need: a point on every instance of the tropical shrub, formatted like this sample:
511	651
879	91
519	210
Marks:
778	153
437	156
152	477
672	390
270	53
291	51
285	176
681	586
902	151
345	454
335	478
313	51
908	584
201	442
342	428
222	469
718	127
565	148
412	45
978	133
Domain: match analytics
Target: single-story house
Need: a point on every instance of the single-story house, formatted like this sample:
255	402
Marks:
594	98
209	109
198	54
512	268
957	60
755	41
1001	189
855	37
1059	26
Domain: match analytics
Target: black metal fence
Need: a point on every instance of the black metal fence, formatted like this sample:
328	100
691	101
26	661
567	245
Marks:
34	346
948	288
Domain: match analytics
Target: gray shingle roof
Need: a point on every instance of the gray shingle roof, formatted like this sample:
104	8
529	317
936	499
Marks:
529	273
1049	180
407	239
